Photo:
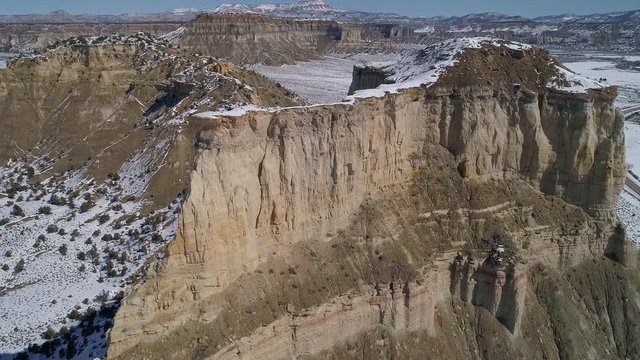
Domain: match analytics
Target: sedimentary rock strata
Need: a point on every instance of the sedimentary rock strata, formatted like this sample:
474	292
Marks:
450	220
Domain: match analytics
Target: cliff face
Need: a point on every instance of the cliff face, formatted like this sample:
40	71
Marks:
260	39
418	221
32	36
44	98
94	143
83	97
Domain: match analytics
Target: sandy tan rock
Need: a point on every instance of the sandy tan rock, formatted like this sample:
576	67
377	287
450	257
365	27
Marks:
271	182
250	39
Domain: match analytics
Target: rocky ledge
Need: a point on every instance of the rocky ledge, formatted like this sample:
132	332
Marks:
464	209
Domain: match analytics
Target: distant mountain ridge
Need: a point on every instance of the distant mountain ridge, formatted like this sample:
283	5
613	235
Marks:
320	9
64	17
309	6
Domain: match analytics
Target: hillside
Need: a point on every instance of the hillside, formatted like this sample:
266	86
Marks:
158	201
410	219
97	153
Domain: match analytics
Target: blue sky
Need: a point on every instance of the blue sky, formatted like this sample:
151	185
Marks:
407	7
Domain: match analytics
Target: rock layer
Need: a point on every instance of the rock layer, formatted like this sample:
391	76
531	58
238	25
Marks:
308	228
272	41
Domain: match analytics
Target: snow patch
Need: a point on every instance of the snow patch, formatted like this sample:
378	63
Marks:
233	111
568	81
424	66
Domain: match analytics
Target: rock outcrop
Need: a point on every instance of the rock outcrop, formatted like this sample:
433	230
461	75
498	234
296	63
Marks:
249	39
423	221
84	96
95	143
30	36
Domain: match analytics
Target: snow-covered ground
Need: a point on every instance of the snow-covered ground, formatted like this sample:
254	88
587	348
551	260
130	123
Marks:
4	57
628	81
632	141
67	243
602	68
322	81
629	204
629	213
327	80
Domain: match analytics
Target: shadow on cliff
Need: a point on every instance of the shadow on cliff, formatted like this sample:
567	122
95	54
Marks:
85	341
173	93
491	285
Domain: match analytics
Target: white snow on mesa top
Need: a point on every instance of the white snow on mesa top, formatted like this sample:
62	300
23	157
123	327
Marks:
425	30
415	68
424	66
232	8
302	6
139	38
233	111
182	11
173	35
568	81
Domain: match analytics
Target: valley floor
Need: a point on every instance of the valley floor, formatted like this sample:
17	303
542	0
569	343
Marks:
321	81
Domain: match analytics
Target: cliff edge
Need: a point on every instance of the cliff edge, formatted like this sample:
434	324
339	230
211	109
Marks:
464	209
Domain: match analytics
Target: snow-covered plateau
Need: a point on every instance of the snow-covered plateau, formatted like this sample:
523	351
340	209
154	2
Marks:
606	69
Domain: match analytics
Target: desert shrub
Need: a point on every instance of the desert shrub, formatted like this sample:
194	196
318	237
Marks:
86	206
50	333
75	315
63	249
157	238
57	200
71	350
107	237
19	266
52	229
103	297
44	210
103	218
17	211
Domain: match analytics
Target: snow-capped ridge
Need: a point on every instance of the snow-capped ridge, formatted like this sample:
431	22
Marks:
294	9
568	81
425	66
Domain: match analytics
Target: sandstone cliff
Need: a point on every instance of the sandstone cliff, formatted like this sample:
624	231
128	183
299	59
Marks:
27	37
420	222
95	147
77	102
260	39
